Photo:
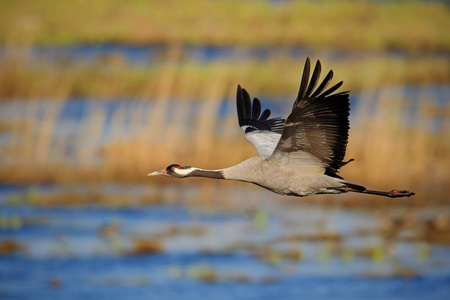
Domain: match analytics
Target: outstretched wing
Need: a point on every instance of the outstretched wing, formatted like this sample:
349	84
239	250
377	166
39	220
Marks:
316	132
262	132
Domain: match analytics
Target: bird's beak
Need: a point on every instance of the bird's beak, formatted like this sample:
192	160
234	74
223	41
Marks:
156	173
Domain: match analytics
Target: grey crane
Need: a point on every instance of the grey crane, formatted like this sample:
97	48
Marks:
297	156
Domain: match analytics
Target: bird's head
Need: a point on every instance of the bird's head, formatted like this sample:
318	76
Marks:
173	171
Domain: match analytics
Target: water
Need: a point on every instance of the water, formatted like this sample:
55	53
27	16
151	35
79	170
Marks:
152	54
74	111
69	254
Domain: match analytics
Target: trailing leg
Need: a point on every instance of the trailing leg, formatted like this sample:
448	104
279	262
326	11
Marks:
392	193
349	187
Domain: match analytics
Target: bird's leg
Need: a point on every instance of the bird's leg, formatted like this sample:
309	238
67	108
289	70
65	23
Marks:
350	187
400	193
392	193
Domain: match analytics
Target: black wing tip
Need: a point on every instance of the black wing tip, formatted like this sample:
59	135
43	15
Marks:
241	105
307	86
331	90
304	81
245	109
238	90
256	109
265	115
249	113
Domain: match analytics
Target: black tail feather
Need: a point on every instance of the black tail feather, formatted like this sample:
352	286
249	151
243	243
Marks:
355	188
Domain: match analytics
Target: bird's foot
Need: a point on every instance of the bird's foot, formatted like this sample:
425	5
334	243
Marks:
401	193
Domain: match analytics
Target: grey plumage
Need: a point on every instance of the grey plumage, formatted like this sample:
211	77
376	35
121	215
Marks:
298	156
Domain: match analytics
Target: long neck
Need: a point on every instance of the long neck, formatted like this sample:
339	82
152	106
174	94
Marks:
217	174
244	171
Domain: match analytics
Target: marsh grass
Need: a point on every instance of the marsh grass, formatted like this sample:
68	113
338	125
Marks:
169	113
379	25
389	152
179	77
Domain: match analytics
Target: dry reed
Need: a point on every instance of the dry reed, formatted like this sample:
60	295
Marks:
171	115
177	77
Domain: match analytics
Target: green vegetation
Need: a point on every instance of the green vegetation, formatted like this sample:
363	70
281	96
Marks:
416	28
378	25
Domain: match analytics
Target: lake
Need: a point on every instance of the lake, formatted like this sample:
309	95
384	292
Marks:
267	249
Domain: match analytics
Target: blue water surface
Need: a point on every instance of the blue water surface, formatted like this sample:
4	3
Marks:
66	257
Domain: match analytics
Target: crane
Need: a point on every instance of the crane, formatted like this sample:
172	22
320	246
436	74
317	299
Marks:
297	156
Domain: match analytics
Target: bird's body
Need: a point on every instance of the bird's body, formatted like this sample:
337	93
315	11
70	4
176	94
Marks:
298	156
281	179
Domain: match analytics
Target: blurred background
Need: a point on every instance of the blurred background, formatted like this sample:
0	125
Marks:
96	94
